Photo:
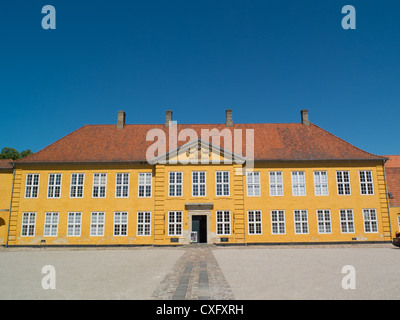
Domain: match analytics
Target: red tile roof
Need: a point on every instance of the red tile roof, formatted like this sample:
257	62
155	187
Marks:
5	163
392	169
289	141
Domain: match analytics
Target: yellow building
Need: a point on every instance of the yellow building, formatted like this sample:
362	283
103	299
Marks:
172	184
6	175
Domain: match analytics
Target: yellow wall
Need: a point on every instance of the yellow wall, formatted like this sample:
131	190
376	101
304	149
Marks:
238	203
5	197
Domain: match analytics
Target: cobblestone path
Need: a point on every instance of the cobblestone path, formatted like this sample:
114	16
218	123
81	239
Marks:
195	276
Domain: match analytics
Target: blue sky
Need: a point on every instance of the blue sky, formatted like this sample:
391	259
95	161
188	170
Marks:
266	60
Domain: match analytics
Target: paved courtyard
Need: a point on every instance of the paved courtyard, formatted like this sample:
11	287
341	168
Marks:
203	272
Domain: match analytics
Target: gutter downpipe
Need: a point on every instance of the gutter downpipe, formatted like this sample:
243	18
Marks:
9	213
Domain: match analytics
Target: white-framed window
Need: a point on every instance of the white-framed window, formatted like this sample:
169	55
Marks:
398	222
120	223
254	221
77	180
346	221
74	224
324	221
99	185
343	182
275	183
97	224
222	183
321	183
32	185
175	180
198	183
145	184
278	222
300	221
253	184
175	223
370	221
298	183
50	224
224	223
366	184
122	185
143	223
54	187
28	224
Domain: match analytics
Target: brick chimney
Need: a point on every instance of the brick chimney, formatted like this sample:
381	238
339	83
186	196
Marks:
304	118
168	117
121	120
229	121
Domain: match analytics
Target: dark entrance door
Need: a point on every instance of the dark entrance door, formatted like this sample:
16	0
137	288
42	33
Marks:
199	224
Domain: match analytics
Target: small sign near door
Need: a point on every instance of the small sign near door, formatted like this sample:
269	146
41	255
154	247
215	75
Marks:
193	236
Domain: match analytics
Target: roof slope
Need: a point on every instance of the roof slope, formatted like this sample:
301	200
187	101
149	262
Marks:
289	141
6	163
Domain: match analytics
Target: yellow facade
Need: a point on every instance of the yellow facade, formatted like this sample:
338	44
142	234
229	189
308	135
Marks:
237	205
6	176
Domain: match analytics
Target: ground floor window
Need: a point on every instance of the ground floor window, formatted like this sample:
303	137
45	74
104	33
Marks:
28	224
175	223
346	221
223	222
143	223
370	220
51	224
324	221
254	222
120	223
300	221
278	222
74	224
97	224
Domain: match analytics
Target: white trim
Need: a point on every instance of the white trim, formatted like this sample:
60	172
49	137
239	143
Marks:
343	183
74	224
302	223
54	186
175	184
274	185
51	224
120	223
297	184
346	221
28	224
174	224
324	222
317	181
32	185
253	184
96	224
370	221
223	222
99	185
77	185
222	183
122	184
366	182
255	222
143	224
278	222
199	184
145	184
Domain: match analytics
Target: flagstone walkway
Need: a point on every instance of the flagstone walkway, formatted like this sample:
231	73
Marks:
195	276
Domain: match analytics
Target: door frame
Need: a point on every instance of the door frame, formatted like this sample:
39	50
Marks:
206	213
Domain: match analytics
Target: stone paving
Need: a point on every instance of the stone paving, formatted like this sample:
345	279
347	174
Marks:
195	276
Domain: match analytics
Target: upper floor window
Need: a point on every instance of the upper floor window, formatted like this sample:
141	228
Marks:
321	183
175	184
99	185
32	185
222	183
76	190
366	184
253	183
298	183
145	185
122	185
343	182
199	183
54	188
275	183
